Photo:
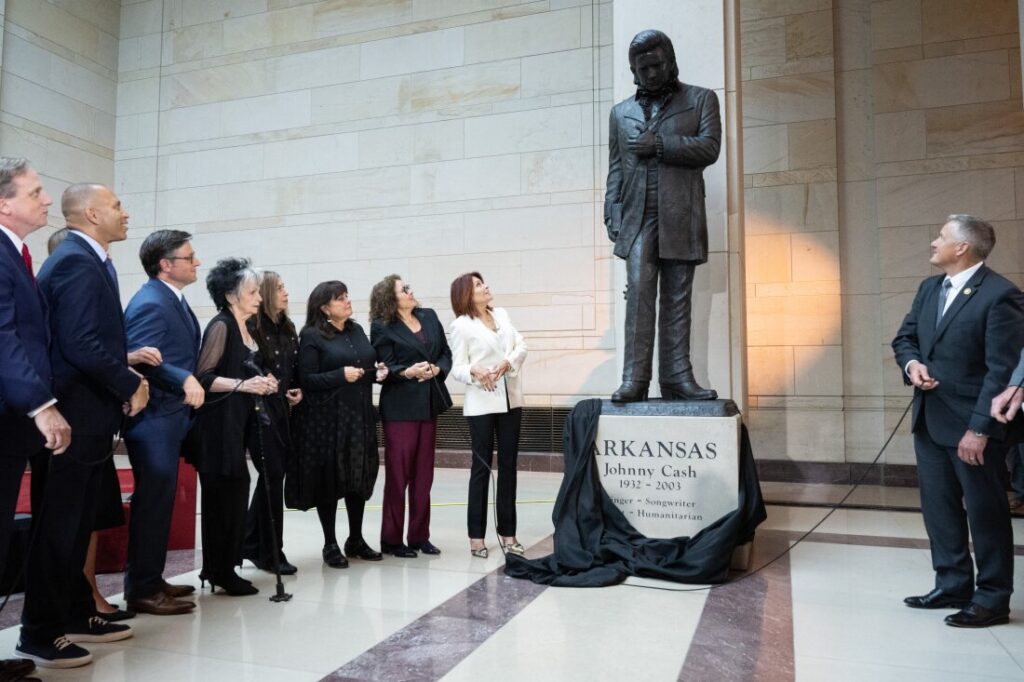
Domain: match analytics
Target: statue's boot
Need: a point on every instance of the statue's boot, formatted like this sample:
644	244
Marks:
631	392
687	389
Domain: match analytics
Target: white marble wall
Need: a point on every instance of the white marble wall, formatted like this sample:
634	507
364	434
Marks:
58	88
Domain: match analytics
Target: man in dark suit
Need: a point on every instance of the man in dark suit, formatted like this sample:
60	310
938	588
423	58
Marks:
95	387
29	417
159	316
958	346
660	141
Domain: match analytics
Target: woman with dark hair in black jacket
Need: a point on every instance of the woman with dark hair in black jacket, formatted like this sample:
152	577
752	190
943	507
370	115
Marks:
337	439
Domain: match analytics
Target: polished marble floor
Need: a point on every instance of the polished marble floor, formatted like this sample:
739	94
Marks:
829	609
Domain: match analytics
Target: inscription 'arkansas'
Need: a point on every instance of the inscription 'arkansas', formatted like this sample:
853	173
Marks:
676	449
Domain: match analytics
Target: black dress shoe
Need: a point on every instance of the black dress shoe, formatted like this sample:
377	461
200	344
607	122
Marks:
120	614
401	551
333	556
15	668
630	392
426	547
974	616
283	568
936	599
360	550
688	389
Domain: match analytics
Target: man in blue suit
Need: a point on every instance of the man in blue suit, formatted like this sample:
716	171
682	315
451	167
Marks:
96	388
957	347
29	417
159	316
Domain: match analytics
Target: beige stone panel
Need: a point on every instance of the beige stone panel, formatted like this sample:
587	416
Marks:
1019	185
523	36
858	241
830	286
468	85
897	54
41	105
438	9
103	14
531	319
557	72
283	27
341	17
793	67
415	236
807	435
386	147
865	434
904	251
270	112
1015	75
944	81
763	41
815	256
818	370
895	23
1007	255
355	101
440	141
426	51
190	123
791	208
853	31
135	176
558	270
928	199
769	258
763	9
138	96
433	276
862	345
194	42
135	132
570	372
813	176
788	99
812	144
494	176
794	321
770	370
561	170
33	63
56	158
900	136
765	149
522	229
311	155
975	129
141	18
809	35
945	20
524	131
212	167
986	44
142	52
53	23
205	11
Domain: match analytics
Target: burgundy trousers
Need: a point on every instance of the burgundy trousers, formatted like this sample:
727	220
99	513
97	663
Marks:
408	464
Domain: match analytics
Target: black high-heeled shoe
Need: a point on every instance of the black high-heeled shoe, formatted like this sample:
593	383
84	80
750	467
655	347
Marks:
231	584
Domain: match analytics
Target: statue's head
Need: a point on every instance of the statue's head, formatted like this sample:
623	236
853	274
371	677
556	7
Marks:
652	59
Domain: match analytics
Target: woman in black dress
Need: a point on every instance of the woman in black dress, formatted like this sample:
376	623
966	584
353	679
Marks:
337	440
225	427
279	349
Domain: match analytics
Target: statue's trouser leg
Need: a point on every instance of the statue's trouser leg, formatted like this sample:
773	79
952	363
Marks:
641	292
674	315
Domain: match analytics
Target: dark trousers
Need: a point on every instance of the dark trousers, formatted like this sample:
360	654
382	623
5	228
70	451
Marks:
155	469
12	468
263	544
643	269
482	431
223	522
408	464
947	486
1015	463
56	591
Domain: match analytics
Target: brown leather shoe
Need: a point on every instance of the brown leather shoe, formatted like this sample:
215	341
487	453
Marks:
160	604
177	591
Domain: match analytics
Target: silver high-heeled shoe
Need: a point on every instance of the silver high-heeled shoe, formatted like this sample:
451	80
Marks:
514	547
479	553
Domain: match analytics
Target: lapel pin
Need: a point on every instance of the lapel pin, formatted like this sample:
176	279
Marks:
967	291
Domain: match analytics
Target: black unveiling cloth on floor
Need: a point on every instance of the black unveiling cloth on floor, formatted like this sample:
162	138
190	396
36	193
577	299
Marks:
596	546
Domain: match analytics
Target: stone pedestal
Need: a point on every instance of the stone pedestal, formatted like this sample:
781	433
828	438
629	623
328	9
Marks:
672	467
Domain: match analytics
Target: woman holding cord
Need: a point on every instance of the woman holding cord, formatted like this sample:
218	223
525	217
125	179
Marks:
410	341
226	426
337	441
487	355
275	335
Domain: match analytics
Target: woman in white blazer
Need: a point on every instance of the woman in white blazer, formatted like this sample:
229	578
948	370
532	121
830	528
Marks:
487	355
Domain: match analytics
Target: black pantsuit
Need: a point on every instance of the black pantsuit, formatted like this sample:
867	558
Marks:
482	431
223	526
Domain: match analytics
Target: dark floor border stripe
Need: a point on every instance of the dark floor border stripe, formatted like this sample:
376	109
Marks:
429	647
746	628
872	540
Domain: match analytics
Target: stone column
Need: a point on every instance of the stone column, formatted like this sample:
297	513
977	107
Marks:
705	34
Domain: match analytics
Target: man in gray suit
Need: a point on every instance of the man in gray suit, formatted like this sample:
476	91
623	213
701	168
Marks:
957	347
660	141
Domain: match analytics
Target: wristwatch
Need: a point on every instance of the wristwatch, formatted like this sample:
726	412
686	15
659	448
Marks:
979	434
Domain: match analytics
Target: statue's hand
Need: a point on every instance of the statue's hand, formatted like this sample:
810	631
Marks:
643	145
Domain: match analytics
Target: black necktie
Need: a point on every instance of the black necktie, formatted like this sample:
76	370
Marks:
112	274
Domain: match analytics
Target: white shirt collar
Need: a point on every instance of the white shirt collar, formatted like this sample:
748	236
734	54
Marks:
15	239
961	278
177	292
100	252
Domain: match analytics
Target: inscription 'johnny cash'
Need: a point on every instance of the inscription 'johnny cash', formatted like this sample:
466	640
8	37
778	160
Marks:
656	449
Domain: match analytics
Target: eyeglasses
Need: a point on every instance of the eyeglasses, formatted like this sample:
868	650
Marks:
190	258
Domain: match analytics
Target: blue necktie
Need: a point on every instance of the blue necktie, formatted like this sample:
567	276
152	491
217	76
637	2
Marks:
112	274
943	295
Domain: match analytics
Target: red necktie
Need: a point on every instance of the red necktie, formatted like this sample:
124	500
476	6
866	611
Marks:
27	257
